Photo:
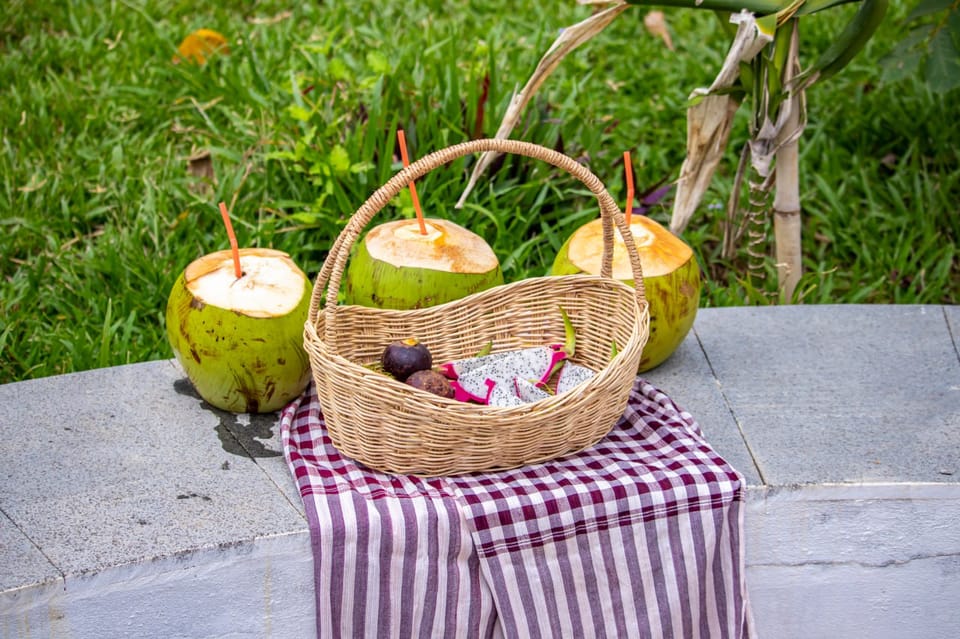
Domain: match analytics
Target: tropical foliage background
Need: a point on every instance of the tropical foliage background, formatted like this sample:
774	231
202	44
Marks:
114	157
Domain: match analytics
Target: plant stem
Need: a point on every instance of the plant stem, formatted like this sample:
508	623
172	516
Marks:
787	225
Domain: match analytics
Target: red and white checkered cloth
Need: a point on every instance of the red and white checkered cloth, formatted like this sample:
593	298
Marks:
638	536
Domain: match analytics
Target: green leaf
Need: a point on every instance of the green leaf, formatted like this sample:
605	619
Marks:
758	7
813	6
362	167
848	43
378	63
339	70
281	155
305	217
299	113
926	7
105	336
901	67
953	26
943	65
905	58
746	76
339	160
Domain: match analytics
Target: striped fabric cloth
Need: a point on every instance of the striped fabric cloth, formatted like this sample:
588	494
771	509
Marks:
639	536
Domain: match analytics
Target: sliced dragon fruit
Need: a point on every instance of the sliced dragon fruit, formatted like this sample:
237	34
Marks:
528	391
537	362
477	386
473	385
572	375
503	394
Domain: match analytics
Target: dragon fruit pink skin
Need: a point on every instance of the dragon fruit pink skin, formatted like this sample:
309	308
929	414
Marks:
524	357
474	386
492	393
537	363
572	375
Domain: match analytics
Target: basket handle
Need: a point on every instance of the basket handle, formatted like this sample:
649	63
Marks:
331	272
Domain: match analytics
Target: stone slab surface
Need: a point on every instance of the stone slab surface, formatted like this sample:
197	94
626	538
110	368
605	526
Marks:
21	562
952	314
257	436
120	489
123	465
854	560
687	379
845	393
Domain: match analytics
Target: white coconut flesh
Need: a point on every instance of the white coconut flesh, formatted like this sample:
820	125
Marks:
660	251
445	247
271	284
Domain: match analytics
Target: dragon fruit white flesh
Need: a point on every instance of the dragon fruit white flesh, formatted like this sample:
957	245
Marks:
503	394
477	386
527	362
514	377
572	375
485	385
528	391
470	384
473	385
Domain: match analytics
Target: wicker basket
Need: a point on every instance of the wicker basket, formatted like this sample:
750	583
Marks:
392	427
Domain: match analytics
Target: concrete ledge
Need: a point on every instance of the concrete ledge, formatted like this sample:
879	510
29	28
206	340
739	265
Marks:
129	507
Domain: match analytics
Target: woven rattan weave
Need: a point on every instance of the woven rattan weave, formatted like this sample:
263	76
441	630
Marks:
392	427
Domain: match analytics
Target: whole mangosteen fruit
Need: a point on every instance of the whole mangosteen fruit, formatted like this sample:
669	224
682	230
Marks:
432	382
404	357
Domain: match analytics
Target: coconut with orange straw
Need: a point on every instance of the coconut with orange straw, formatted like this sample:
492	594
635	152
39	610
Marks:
416	263
235	323
671	275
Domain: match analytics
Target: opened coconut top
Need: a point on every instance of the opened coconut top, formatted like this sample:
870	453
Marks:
446	246
660	251
271	285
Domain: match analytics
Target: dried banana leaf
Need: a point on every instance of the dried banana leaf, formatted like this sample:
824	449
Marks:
710	119
570	38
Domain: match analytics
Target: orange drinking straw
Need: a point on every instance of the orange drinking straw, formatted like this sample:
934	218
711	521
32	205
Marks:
233	241
413	187
629	169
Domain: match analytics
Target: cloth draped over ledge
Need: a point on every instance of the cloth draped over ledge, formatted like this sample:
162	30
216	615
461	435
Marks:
639	536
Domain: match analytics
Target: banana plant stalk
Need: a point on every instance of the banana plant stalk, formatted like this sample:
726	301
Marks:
777	123
778	87
787	227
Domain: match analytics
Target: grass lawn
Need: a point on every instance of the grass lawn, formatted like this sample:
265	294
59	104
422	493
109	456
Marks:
114	159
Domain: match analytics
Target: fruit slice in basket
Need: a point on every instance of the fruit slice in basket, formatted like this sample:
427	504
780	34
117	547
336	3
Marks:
571	376
530	391
396	266
501	384
512	377
535	362
476	379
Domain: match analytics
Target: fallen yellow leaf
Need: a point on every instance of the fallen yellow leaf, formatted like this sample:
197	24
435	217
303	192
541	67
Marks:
200	45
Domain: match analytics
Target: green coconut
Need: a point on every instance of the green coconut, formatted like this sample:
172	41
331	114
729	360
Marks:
671	278
240	341
396	266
